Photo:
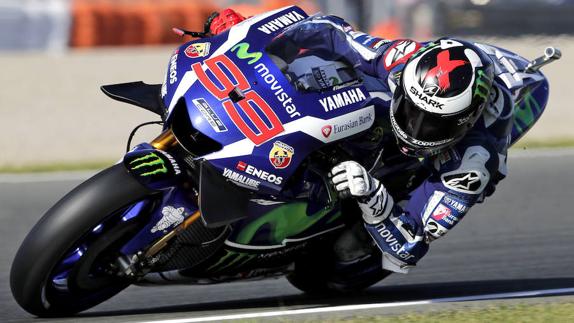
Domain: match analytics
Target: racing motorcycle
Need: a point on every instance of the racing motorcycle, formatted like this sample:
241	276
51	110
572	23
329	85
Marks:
235	186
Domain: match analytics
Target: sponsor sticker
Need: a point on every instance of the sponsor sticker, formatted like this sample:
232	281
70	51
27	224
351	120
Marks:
173	69
153	164
242	52
171	216
459	206
280	155
209	115
261	174
349	127
342	99
466	182
282	96
197	50
240	179
426	99
441	212
326	131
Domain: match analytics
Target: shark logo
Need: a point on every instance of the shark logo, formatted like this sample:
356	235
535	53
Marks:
241	51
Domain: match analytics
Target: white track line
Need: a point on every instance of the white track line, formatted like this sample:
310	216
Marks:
367	306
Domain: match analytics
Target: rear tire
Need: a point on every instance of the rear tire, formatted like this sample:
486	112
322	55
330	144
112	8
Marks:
319	272
60	230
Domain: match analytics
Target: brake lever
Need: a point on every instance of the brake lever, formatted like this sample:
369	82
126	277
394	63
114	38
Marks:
550	54
183	32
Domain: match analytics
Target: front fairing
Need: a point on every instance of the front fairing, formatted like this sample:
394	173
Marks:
268	135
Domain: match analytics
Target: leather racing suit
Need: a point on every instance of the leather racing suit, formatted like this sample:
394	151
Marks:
436	192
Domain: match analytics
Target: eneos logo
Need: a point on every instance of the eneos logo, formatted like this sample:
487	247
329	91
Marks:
280	155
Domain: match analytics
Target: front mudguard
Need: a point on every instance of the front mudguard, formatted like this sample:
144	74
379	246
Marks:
177	200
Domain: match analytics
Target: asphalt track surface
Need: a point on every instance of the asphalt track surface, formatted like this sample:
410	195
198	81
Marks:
521	239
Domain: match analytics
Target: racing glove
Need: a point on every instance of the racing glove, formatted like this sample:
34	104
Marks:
220	22
350	179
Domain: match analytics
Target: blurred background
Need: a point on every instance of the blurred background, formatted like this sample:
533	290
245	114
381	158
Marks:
54	55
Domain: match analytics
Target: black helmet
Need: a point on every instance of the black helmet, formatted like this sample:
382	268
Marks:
443	90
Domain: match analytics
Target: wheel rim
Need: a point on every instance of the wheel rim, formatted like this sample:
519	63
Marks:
80	275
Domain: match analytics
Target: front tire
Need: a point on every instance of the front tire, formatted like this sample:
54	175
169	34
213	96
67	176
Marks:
60	230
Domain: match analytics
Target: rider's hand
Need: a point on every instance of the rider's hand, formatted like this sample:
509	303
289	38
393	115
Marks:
351	179
220	22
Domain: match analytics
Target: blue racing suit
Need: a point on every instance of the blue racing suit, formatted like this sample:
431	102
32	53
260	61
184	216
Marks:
441	189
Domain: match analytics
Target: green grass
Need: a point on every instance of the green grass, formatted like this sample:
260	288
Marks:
516	313
556	143
524	313
54	167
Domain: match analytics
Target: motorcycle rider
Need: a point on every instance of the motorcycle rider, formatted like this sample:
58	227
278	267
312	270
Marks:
448	115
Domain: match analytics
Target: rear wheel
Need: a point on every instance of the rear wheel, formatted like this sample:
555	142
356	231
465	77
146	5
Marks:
64	264
313	277
323	270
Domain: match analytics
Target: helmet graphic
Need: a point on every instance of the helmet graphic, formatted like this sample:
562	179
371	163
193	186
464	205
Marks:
443	90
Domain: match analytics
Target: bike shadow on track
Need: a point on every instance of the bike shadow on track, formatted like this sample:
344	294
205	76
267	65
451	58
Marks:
377	294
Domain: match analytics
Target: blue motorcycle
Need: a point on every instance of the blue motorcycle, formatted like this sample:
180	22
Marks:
235	187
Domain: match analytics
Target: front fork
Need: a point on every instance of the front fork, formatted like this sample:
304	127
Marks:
177	201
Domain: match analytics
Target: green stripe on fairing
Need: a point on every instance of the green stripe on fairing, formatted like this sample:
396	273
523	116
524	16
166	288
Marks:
482	85
150	159
525	112
285	221
240	256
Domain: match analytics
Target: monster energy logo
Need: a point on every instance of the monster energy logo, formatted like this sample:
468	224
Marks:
151	160
242	53
482	86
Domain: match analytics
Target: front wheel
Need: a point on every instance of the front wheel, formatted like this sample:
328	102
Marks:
63	265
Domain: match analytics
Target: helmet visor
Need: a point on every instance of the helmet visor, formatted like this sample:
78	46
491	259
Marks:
424	128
